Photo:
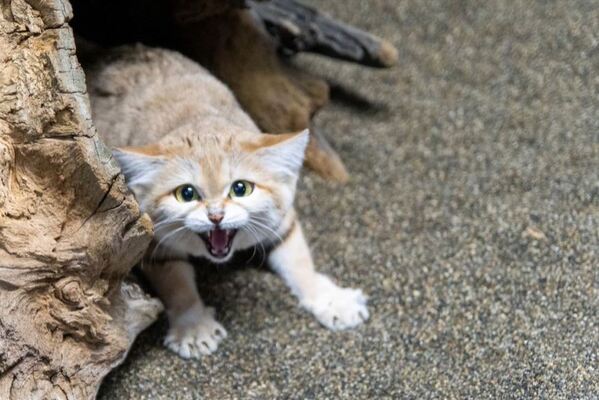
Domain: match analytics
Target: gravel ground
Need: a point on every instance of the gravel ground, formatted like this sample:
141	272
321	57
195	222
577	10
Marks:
472	221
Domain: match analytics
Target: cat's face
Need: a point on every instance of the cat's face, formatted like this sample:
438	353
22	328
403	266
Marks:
212	195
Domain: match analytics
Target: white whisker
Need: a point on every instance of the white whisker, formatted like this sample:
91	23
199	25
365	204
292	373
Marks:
168	222
266	227
162	240
252	230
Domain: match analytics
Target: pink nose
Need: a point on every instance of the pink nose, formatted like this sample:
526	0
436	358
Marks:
216	218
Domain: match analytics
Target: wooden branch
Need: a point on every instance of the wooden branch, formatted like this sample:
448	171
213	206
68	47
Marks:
69	229
301	28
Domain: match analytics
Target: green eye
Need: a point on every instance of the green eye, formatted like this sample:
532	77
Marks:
241	189
186	193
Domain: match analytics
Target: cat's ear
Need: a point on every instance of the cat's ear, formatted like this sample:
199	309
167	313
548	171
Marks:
139	164
283	153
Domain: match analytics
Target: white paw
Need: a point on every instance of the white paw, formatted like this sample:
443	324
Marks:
337	308
195	333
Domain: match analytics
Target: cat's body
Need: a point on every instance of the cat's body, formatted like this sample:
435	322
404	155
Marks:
212	184
139	95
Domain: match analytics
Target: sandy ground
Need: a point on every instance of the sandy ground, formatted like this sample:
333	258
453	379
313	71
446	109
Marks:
472	221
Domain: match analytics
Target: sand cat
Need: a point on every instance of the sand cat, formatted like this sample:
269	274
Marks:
212	184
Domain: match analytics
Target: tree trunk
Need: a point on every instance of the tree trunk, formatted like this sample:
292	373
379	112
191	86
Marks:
69	230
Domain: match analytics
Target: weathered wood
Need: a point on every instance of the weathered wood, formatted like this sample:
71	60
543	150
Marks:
69	229
301	28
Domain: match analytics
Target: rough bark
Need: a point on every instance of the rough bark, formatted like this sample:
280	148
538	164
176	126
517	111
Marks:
69	230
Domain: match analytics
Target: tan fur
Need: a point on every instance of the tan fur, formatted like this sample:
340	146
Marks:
178	126
265	141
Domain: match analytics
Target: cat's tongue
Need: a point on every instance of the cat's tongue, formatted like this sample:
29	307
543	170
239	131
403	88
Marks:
219	242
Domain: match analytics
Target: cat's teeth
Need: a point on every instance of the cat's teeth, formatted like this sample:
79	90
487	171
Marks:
218	241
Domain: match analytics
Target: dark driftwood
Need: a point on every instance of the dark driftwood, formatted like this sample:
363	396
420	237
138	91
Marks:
301	28
226	38
278	97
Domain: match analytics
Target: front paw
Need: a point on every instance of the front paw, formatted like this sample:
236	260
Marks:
338	308
195	333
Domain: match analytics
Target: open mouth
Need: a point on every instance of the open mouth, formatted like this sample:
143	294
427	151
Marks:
218	241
